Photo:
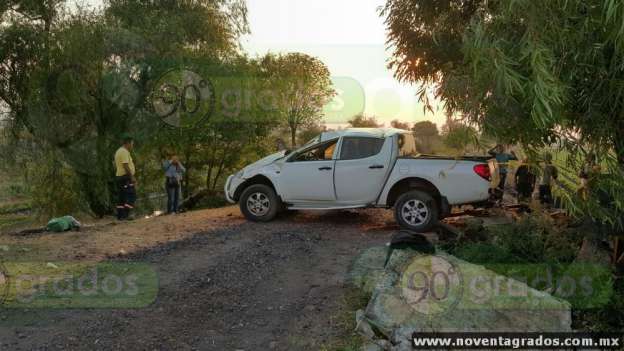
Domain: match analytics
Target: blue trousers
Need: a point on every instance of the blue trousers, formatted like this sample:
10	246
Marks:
173	198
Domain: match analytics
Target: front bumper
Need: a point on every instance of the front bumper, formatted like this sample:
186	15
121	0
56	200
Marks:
228	184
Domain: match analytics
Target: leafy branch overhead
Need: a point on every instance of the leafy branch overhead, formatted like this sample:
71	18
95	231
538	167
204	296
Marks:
529	72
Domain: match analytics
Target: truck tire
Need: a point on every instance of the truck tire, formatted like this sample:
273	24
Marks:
416	210
259	203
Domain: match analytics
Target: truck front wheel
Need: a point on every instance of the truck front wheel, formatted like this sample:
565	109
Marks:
416	210
259	203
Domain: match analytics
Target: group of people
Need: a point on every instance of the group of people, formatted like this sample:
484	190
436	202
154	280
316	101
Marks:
125	179
526	175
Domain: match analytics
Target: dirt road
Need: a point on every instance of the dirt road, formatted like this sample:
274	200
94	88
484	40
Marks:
228	285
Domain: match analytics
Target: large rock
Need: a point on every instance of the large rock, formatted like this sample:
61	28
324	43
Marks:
463	297
368	269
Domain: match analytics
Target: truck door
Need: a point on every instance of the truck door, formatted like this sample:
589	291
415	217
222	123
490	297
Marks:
361	169
309	175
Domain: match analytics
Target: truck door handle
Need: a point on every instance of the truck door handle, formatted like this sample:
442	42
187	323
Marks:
376	167
325	169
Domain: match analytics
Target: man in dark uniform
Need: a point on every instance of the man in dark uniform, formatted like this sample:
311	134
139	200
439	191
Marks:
525	180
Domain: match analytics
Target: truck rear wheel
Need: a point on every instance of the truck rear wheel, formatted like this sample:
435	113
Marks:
259	203
416	210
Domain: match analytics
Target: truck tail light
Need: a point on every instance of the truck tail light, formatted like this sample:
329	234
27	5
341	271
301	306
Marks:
483	170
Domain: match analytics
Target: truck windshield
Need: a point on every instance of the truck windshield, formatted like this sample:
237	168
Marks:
316	140
407	146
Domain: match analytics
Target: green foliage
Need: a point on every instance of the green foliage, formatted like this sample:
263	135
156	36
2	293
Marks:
537	251
169	27
15	208
310	133
425	129
363	121
427	137
607	319
534	73
53	187
484	253
75	84
533	239
300	87
460	136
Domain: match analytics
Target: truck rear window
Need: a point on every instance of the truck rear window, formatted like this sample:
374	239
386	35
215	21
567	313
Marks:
355	148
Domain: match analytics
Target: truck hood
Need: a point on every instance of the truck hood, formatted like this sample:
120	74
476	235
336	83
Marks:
264	162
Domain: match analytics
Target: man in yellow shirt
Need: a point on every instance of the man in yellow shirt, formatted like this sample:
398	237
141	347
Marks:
125	179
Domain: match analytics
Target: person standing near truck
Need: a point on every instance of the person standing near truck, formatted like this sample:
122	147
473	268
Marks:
125	179
550	174
174	170
502	158
525	180
588	174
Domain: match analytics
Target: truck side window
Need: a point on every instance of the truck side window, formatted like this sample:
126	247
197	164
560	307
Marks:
323	152
354	148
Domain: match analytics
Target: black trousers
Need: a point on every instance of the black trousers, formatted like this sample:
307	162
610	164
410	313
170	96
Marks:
524	189
126	193
545	195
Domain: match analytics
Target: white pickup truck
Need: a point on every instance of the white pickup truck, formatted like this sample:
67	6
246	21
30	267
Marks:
360	168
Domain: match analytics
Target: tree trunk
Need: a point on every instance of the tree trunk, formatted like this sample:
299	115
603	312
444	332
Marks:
619	150
185	181
209	176
592	250
293	137
98	187
97	192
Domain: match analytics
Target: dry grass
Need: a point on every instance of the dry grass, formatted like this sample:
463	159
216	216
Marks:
103	238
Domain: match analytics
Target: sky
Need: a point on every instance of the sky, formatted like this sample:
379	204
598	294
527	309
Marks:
350	38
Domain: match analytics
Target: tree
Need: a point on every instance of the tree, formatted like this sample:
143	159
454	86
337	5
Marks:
425	128
459	136
507	67
426	133
302	86
234	131
399	125
76	80
363	121
311	132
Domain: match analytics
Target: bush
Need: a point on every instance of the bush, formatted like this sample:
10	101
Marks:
607	319
53	187
484	253
17	190
536	239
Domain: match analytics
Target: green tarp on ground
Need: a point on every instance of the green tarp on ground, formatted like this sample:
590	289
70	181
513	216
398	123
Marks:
62	224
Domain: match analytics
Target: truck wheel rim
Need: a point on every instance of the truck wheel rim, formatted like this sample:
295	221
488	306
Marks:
415	212
258	204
